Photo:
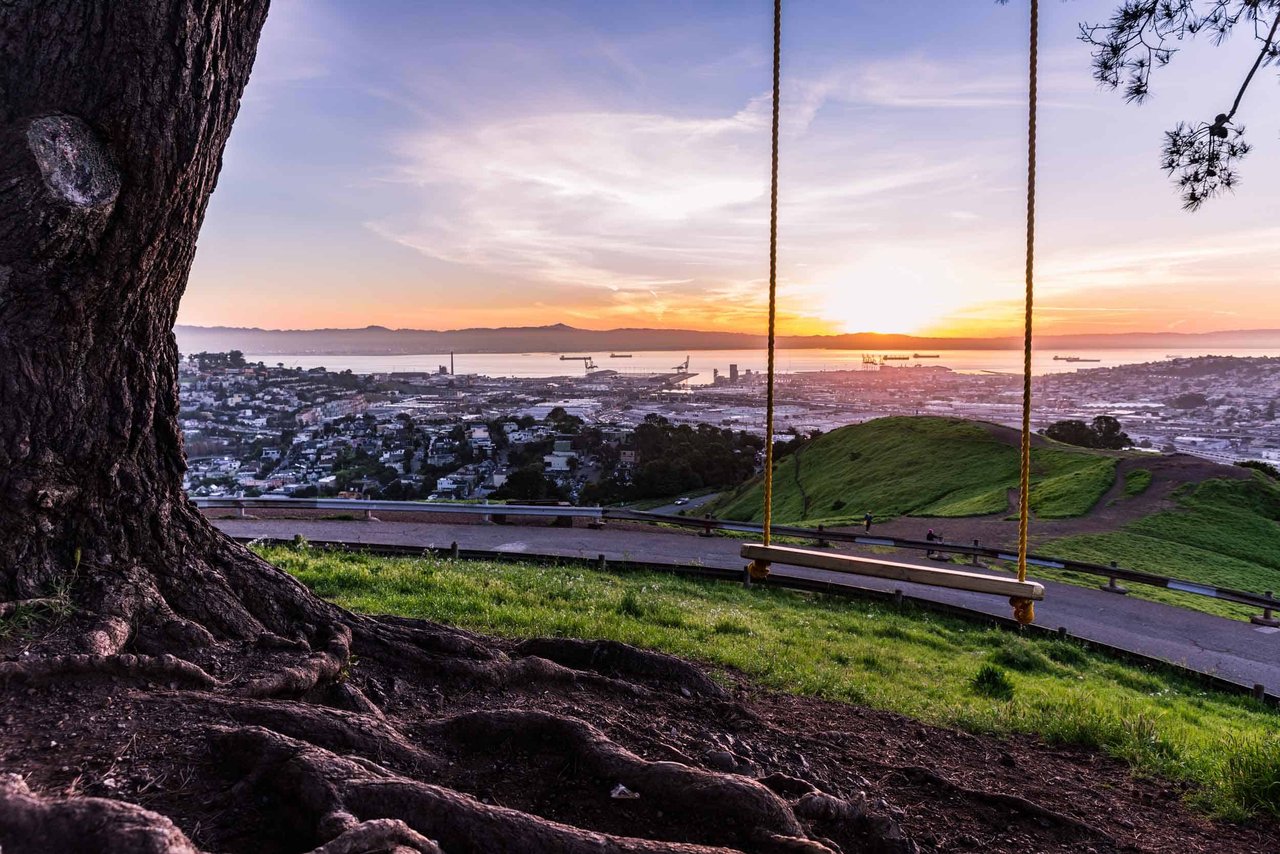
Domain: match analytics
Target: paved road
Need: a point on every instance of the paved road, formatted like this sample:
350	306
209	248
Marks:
691	504
1231	649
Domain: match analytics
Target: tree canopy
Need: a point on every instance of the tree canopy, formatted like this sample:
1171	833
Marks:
1143	36
1104	432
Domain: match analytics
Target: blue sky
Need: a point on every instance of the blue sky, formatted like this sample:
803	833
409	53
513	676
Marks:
450	164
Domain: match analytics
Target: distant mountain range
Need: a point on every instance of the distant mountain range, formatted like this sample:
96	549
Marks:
559	338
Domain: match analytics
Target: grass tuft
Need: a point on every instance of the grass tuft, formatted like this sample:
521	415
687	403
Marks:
1019	655
991	681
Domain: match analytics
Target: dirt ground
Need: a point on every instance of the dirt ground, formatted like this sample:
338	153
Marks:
945	790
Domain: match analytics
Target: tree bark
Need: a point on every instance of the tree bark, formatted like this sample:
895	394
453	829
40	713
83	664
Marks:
113	120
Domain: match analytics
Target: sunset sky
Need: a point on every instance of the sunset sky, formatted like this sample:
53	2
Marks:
493	163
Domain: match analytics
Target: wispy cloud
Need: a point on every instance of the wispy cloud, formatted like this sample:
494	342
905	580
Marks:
650	206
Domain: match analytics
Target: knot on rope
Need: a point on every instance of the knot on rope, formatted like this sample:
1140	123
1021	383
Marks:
1024	610
758	570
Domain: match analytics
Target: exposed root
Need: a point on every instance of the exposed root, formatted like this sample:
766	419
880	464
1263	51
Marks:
612	658
167	669
31	824
423	635
380	834
324	794
343	695
108	635
740	807
271	640
527	671
442	653
340	731
316	668
10	608
1011	803
116	602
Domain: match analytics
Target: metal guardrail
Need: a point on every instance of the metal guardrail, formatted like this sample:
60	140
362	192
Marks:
370	507
706	525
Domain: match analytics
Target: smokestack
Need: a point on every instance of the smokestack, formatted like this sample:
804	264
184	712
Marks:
450	363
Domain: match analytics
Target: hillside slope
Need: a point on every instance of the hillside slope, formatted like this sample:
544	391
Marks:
1221	531
923	466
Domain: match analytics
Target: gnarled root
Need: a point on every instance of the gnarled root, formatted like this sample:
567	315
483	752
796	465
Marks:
732	809
442	653
378	835
740	809
1009	803
317	668
343	732
612	658
31	824
164	668
329	794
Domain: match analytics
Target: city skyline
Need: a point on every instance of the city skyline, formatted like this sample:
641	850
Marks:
490	166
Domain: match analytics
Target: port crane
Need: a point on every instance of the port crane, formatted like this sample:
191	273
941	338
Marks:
683	367
586	361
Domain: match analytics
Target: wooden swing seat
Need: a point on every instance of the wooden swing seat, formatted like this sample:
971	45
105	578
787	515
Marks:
955	579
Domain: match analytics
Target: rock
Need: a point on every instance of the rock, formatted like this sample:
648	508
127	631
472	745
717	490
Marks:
722	760
622	793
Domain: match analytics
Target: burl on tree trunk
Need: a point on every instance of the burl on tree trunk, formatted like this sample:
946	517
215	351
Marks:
113	119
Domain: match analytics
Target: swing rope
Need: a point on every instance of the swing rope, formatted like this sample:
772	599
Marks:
760	569
1023	609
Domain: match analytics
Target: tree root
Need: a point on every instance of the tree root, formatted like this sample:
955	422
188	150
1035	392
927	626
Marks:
31	824
612	658
737	803
328	793
316	668
378	835
739	810
340	731
438	652
1012	803
164	668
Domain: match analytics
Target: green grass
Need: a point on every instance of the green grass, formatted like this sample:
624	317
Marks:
1136	482
920	466
1222	532
939	669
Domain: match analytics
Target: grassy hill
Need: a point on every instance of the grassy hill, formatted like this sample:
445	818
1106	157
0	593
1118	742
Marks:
1219	531
1170	515
922	466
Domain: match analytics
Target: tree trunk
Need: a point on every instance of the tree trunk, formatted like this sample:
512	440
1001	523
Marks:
113	120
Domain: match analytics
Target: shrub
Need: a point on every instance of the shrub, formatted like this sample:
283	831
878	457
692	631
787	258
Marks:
991	681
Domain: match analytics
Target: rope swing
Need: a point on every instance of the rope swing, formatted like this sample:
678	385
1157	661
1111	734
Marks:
760	569
1022	593
1024	610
